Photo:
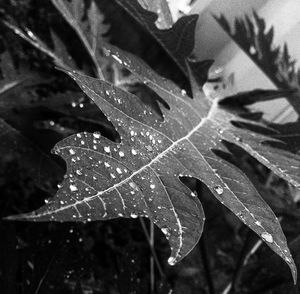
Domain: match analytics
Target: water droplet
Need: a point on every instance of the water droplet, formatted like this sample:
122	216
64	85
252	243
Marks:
133	215
267	237
165	231
171	261
219	190
72	152
133	185
121	154
79	172
288	260
107	149
117	58
97	135
73	188
133	151
252	50
149	148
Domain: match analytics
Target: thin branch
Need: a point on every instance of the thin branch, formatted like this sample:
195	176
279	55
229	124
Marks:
152	248
38	44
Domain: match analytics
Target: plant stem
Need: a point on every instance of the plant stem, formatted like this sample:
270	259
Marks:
152	273
207	269
156	261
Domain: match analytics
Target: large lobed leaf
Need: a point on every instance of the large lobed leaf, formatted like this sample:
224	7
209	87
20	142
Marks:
251	35
90	29
140	176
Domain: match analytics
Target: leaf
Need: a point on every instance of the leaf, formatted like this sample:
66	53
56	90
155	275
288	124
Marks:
89	30
141	175
39	166
258	95
59	55
161	8
275	62
13	79
178	41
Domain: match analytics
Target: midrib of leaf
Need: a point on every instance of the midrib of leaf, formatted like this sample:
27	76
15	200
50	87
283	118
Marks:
155	159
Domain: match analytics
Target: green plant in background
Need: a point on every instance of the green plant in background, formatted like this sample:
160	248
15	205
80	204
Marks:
150	153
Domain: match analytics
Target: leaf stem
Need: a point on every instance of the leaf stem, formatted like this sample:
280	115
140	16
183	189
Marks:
203	246
247	251
156	261
152	273
38	44
207	268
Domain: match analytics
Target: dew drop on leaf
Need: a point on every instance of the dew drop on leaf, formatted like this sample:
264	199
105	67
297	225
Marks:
171	261
97	135
133	185
219	190
149	148
73	188
117	58
165	231
107	149
72	152
267	237
79	172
